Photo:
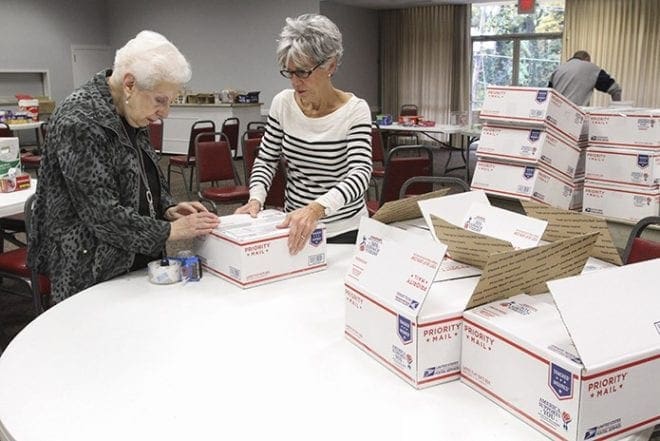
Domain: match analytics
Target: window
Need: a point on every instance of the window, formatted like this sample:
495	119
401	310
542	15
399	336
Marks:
513	49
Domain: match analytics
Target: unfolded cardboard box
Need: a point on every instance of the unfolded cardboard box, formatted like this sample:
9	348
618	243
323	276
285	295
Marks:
580	365
623	202
534	106
631	166
404	301
249	252
524	182
621	128
530	146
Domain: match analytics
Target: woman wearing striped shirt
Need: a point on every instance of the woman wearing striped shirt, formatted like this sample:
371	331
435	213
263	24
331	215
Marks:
323	133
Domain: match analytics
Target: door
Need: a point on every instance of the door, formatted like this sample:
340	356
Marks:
88	60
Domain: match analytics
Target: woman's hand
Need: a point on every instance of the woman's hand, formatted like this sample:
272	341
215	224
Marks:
253	207
183	209
193	225
302	222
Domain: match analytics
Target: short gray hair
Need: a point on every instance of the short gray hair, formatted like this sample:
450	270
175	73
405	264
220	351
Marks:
151	58
310	37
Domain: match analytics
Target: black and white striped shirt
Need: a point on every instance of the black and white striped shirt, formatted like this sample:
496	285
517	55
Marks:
328	159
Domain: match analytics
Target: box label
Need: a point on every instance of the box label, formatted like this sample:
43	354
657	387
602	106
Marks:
404	329
541	96
561	382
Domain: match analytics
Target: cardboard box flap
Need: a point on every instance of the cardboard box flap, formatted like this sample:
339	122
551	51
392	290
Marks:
527	271
243	228
467	246
451	208
563	224
611	314
406	208
394	266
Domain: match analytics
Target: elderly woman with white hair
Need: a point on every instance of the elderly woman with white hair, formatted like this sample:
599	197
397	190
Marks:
323	133
102	205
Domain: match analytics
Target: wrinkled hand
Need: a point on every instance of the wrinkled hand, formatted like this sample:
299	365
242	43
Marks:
193	225
253	207
301	223
183	209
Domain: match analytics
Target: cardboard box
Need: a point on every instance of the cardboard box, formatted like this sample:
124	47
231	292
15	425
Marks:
404	301
46	105
524	182
249	252
534	106
631	166
622	202
10	156
621	128
580	365
530	146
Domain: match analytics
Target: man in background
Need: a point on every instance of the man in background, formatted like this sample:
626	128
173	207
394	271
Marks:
578	77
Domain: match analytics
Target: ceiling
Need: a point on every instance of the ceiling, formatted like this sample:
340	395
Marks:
397	4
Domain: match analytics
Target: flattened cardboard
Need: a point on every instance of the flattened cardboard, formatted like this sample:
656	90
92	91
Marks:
563	224
406	208
526	271
610	318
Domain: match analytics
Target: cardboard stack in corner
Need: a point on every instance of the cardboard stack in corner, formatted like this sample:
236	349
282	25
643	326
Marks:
532	146
580	363
622	178
405	298
250	251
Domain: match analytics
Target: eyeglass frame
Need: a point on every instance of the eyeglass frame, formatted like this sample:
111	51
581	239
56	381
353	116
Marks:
300	73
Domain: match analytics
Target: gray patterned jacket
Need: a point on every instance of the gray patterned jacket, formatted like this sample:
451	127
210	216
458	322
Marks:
86	227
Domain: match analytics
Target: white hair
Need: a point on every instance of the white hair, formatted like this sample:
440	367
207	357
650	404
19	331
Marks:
310	37
151	59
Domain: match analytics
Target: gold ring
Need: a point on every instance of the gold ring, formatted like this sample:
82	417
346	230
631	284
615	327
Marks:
302	236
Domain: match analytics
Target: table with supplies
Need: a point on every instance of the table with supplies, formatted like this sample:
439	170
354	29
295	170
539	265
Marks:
14	202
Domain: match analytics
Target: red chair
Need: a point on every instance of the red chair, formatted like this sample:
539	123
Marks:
377	157
178	164
406	110
639	249
400	168
231	127
13	265
456	185
156	135
256	129
215	165
5	131
276	193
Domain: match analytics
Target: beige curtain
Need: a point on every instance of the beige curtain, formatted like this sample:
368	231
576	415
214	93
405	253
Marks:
425	60
623	37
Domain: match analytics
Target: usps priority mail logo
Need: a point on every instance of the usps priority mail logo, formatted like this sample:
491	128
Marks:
528	173
317	237
541	96
643	161
404	329
561	382
534	135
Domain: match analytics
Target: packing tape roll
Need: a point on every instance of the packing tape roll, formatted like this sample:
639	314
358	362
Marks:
164	275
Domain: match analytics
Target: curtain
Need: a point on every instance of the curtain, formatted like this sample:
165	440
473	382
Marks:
622	37
425	60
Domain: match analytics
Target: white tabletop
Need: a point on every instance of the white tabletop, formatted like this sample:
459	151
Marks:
14	202
25	126
128	360
438	128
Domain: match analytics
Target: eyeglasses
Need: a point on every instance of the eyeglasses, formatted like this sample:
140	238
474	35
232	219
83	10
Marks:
300	73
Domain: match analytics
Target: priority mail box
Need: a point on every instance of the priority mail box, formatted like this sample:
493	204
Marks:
534	106
623	202
618	127
524	182
580	365
531	146
623	166
250	251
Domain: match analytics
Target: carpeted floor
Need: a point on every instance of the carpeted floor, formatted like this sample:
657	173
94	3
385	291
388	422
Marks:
17	311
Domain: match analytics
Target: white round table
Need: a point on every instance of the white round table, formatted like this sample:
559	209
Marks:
128	360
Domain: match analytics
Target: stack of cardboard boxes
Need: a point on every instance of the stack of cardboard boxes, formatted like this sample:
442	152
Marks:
532	146
623	164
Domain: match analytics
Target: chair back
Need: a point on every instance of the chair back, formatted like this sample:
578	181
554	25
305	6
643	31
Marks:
5	131
457	185
277	191
639	249
156	135
203	126
214	161
400	168
408	110
256	128
377	150
231	129
39	283
250	149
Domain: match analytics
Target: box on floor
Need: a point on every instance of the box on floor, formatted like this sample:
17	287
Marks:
249	252
579	365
